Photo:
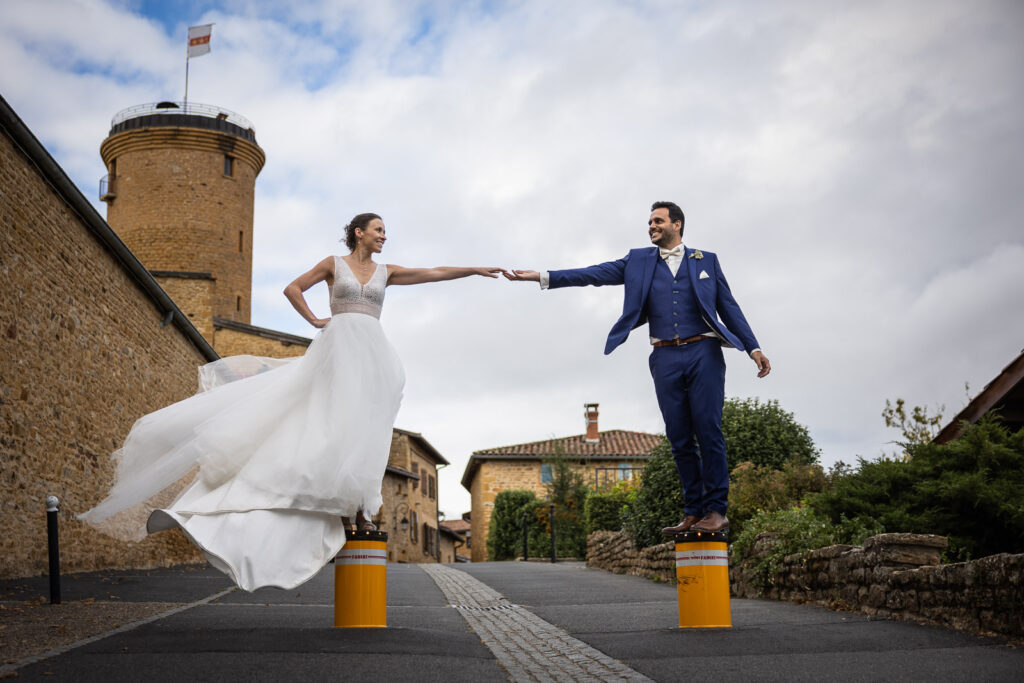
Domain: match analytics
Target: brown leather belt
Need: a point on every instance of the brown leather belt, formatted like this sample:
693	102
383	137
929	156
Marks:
681	342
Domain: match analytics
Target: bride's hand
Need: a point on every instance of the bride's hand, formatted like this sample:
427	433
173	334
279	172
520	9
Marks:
491	272
320	323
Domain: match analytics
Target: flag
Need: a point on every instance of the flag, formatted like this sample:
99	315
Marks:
199	40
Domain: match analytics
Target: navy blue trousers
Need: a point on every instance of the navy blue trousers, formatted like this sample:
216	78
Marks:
690	384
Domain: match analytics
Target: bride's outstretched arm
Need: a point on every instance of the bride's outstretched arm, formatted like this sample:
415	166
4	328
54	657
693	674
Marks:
397	275
293	292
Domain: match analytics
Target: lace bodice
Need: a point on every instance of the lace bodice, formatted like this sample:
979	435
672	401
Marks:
348	296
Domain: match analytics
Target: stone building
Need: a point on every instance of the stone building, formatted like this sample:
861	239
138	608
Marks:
458	530
451	542
604	457
410	512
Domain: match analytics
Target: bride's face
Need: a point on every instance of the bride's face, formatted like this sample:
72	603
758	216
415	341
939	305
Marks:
372	237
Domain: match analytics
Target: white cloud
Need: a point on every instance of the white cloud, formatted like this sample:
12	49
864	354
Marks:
857	168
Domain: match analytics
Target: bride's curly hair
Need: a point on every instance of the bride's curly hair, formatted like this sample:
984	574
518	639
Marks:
358	223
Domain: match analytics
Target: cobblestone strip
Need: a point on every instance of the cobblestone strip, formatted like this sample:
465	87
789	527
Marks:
528	647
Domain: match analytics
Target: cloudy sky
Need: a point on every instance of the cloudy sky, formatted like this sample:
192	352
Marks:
857	166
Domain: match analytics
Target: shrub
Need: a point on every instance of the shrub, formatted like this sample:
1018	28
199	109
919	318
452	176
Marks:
759	488
505	531
604	511
764	434
970	490
794	530
570	537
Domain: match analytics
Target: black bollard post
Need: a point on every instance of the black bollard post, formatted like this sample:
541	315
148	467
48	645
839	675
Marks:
526	537
551	518
53	547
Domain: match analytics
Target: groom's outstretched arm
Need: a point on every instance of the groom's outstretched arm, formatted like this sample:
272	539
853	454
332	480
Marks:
609	273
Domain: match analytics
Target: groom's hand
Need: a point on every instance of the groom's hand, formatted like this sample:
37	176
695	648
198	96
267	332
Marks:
523	276
763	366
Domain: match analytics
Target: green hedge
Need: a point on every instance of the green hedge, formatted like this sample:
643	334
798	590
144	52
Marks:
604	511
505	531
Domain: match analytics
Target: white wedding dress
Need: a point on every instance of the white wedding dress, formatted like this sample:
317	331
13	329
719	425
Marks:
264	461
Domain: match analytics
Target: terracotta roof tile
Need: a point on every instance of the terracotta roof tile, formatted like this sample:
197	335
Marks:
615	442
459	526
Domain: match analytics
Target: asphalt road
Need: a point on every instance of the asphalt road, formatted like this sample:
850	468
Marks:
274	635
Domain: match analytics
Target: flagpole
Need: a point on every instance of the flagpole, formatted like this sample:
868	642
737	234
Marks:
185	103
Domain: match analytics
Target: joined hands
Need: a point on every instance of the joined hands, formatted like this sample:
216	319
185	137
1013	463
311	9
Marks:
522	275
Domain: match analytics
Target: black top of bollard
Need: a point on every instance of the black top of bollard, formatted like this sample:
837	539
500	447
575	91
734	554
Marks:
702	537
366	535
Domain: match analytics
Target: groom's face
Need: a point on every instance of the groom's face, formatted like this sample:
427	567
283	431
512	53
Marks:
662	231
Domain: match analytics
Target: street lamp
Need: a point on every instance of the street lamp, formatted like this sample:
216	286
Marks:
404	525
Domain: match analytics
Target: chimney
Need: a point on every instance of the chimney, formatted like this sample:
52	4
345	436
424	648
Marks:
590	411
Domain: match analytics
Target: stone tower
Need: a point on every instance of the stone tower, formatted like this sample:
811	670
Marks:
179	193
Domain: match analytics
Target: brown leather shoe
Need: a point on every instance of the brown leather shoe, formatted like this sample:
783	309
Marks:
713	521
687	522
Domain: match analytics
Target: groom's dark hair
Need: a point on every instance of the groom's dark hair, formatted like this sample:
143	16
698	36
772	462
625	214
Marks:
674	213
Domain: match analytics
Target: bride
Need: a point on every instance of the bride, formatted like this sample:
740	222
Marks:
259	468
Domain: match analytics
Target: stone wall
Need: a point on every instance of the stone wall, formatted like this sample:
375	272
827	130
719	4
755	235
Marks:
193	294
895	575
83	354
614	551
892	575
256	341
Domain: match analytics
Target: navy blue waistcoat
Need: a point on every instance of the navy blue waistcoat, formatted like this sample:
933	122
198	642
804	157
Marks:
672	309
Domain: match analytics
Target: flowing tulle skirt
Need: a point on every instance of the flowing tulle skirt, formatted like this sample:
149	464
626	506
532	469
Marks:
259	467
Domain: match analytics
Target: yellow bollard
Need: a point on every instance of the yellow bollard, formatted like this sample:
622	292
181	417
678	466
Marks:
360	581
702	570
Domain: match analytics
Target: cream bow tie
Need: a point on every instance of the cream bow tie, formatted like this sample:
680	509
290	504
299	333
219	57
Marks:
665	253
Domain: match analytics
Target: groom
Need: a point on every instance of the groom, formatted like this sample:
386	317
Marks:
683	297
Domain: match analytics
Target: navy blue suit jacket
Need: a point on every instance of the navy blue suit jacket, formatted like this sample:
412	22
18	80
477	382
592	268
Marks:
636	271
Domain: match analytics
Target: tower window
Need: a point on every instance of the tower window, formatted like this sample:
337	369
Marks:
238	303
229	166
240	233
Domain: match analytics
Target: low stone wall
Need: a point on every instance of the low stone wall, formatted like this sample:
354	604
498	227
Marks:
614	551
892	575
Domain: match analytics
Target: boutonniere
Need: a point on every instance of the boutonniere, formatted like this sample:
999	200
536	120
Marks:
697	255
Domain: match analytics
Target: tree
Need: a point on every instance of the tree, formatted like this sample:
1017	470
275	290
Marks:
918	427
970	490
568	491
659	502
764	434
